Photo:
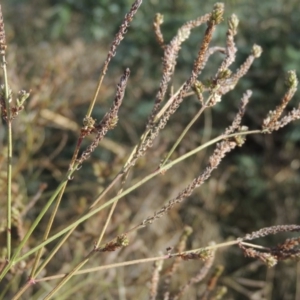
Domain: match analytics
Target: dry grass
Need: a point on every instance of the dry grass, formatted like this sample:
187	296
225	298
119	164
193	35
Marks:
122	227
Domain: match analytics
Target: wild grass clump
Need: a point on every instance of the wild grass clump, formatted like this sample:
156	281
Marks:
26	270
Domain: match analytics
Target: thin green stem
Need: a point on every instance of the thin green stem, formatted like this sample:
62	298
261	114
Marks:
33	226
67	277
89	112
9	157
142	139
57	247
53	252
88	215
77	287
151	259
187	128
9	176
92	104
110	213
104	192
135	186
7	286
46	233
167	105
116	265
184	132
22	290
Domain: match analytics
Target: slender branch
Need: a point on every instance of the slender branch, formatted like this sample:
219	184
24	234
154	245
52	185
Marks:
151	259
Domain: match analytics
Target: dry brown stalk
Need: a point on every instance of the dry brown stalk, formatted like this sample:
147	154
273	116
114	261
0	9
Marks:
230	44
121	241
270	231
272	122
213	50
238	117
110	119
180	248
4	113
157	267
219	293
270	256
121	33
221	150
170	59
214	18
226	81
208	263
290	117
158	20
223	81
289	244
269	259
211	285
3	45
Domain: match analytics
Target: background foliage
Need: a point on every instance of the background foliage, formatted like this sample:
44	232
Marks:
57	47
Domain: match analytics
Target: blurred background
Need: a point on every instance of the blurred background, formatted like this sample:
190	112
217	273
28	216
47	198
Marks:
56	50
